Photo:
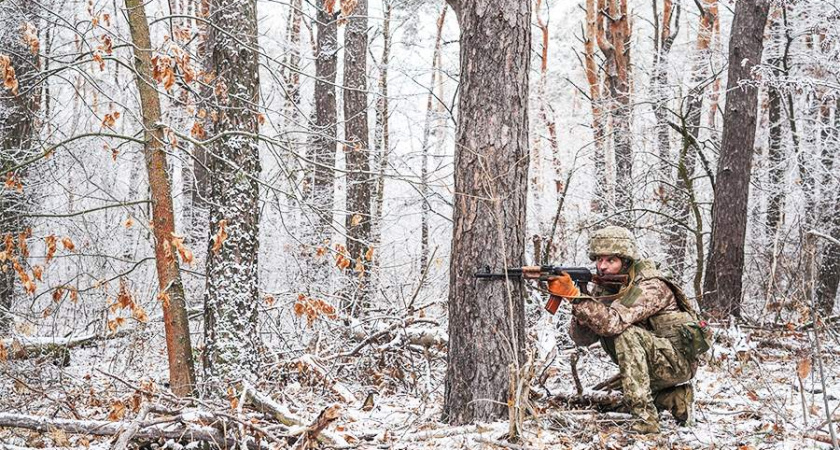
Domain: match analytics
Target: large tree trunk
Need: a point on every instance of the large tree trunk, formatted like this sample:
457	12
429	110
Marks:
324	134
18	114
357	156
176	324
486	320
722	287
232	296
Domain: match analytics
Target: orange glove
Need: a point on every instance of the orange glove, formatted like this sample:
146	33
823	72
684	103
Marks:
563	286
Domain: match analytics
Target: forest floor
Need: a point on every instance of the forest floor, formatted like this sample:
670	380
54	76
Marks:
760	389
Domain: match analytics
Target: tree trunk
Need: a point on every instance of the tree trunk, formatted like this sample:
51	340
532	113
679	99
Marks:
829	270
382	138
617	53
679	199
232	299
428	125
199	165
18	131
324	134
486	320
357	156
722	296
601	196
176	324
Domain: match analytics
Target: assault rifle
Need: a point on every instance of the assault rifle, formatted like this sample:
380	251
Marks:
581	276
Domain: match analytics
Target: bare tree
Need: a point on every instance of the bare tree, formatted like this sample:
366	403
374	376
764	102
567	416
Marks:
486	320
723	283
428	125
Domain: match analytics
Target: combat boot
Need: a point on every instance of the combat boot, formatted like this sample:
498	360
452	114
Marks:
679	400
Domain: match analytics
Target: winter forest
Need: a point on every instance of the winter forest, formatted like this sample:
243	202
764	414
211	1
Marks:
256	224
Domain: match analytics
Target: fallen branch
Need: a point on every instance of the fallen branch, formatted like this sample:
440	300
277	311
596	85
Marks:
307	362
425	337
443	432
179	428
280	413
310	435
502	444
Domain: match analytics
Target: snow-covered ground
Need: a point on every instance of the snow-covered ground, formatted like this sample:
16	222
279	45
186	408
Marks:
749	395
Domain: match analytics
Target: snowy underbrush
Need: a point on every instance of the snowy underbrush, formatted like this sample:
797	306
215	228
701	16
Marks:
760	388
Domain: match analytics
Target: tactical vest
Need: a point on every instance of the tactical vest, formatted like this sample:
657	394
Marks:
684	329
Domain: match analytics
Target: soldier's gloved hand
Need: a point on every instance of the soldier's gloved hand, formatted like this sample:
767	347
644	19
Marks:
563	286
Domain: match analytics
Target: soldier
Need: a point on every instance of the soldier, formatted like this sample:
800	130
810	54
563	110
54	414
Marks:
648	327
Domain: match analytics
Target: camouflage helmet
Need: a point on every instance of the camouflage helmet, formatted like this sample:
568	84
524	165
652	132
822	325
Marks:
613	240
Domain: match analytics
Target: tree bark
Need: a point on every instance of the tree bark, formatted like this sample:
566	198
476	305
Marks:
176	324
601	196
357	156
18	131
828	276
382	138
232	342
619	82
723	284
324	137
486	320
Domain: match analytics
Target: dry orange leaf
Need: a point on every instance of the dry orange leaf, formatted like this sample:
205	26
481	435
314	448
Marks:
7	72
24	249
329	6
30	37
50	240
220	237
139	314
186	254
356	220
98	58
68	243
117	411
803	368
37	272
57	294
197	131
164	299
369	254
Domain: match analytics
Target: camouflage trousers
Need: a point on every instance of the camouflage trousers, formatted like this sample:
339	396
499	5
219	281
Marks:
651	368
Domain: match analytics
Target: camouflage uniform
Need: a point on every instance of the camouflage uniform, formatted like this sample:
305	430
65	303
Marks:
638	327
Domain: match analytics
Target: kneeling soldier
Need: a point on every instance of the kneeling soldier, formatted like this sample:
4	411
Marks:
648	327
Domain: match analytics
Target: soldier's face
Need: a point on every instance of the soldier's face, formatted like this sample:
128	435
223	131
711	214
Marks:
608	264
